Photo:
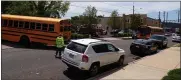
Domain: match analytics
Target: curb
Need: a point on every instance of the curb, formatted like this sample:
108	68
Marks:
126	37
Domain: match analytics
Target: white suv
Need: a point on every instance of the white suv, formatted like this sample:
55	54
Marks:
90	54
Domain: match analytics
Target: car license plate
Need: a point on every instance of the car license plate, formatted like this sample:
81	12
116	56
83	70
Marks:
153	48
71	55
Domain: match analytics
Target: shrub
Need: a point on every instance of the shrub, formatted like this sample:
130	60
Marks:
173	75
79	36
124	35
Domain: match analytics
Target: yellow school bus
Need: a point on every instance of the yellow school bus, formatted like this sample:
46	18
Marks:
28	29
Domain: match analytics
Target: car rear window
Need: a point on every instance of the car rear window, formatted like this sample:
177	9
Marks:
157	37
139	42
77	47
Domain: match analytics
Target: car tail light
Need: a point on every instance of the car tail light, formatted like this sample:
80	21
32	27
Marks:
85	58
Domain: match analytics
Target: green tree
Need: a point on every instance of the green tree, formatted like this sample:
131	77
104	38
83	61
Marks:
90	15
114	20
135	21
36	8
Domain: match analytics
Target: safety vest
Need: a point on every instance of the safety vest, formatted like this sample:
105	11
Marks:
59	42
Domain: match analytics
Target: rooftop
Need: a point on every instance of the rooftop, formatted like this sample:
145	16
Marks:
31	18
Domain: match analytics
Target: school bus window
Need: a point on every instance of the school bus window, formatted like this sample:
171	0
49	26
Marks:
38	26
66	28
21	24
32	25
61	28
2	22
27	25
5	23
15	24
51	28
10	23
44	27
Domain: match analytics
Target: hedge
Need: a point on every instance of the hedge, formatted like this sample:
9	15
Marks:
79	36
173	75
124	35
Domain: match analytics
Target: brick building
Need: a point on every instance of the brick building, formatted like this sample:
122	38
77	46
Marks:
126	21
144	19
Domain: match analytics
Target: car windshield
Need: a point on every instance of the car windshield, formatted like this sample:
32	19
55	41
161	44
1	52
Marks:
157	37
77	47
178	34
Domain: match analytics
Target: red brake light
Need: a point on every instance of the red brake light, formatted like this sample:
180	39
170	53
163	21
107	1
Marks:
85	58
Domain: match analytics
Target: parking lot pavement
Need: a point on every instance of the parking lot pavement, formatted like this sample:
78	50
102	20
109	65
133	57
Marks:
39	63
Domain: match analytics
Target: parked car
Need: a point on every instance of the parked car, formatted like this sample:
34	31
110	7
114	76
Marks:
161	40
91	54
134	35
115	31
176	37
143	47
167	34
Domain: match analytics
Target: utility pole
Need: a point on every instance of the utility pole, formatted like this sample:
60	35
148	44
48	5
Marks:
133	8
164	16
178	16
159	18
132	21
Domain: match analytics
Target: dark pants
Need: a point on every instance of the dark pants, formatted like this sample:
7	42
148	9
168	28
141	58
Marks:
59	50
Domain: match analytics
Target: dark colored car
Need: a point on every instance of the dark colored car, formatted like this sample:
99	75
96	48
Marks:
115	31
160	40
143	47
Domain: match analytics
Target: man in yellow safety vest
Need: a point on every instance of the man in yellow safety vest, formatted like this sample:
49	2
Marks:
60	45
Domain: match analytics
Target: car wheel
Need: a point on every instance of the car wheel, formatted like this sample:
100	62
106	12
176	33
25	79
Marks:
156	49
93	69
120	61
165	46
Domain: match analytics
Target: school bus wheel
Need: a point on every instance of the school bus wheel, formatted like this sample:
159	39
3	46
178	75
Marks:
24	40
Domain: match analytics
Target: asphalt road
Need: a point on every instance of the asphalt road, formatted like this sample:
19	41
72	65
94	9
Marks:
40	63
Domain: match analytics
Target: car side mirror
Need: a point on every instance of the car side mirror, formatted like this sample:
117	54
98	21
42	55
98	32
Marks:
117	49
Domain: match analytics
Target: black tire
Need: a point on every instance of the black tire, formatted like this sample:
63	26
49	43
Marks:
156	49
94	69
165	46
120	61
24	40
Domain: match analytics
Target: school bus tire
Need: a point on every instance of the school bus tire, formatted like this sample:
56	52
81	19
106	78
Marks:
25	41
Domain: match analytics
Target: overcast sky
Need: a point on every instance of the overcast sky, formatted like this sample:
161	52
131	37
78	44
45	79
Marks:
105	8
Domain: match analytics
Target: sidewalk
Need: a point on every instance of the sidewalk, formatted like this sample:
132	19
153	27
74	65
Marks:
150	67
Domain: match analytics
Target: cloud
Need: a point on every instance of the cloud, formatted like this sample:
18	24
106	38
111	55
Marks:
105	8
